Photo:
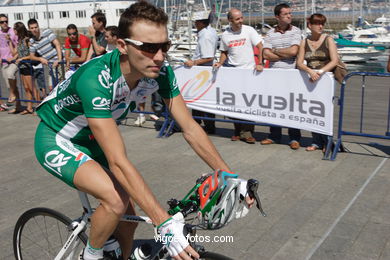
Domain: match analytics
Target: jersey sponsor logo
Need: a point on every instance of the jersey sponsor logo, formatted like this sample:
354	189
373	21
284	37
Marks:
104	78
117	101
100	103
147	83
82	158
66	101
54	160
63	86
237	43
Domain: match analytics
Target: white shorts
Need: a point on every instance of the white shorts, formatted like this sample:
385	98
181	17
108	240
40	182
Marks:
8	71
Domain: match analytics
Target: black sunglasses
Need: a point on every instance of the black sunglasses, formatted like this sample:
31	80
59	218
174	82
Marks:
73	33
150	47
1	22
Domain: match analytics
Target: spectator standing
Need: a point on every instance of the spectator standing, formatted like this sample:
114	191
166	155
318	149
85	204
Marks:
8	40
320	53
241	56
97	36
44	48
204	56
78	43
22	52
111	36
281	46
388	65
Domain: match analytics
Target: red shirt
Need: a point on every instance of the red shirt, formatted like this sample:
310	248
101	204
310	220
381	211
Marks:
83	43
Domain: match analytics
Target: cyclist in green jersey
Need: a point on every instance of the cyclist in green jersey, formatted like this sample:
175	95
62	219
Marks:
79	142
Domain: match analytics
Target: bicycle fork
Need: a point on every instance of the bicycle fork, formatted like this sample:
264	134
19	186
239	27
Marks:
77	227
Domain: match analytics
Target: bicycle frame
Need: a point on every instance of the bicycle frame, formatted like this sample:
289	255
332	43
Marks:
79	225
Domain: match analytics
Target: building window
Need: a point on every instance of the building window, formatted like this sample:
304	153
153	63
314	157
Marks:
50	15
81	14
119	12
64	14
100	11
18	16
33	15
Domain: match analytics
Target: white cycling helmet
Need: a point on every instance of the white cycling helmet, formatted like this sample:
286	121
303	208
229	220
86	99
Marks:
221	199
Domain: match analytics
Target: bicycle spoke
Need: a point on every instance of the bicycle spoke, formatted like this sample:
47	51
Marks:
35	243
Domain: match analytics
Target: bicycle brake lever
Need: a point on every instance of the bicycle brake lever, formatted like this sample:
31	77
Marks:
252	186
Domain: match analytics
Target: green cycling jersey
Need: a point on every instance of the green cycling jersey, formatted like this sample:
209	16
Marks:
99	90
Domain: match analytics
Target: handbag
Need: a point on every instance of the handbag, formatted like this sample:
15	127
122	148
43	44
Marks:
340	71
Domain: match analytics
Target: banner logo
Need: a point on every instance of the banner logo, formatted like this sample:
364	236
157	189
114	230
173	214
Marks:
197	87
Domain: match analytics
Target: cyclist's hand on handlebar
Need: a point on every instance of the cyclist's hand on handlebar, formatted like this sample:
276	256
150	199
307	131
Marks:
171	233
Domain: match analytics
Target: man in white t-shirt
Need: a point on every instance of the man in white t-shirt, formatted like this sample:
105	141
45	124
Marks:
236	48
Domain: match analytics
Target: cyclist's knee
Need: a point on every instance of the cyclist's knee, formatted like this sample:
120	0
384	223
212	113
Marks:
115	204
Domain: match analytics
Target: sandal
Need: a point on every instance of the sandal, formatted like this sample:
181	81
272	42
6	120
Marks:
26	112
14	111
311	148
3	107
11	99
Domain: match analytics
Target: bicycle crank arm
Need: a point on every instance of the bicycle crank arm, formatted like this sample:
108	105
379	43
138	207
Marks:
252	187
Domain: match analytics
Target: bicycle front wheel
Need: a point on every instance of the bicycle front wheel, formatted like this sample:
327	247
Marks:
213	256
40	233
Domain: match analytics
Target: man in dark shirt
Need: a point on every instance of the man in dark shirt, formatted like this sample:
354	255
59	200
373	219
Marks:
97	36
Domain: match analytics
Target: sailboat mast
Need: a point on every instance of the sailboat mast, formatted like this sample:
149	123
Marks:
47	15
304	18
353	14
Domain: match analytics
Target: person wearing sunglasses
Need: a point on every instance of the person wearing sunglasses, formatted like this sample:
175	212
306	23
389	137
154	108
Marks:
78	43
78	140
8	40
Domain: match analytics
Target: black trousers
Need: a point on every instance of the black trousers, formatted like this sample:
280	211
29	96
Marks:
276	134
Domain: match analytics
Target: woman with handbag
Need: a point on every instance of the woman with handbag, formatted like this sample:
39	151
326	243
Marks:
320	53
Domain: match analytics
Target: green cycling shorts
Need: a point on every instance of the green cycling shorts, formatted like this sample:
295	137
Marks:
61	157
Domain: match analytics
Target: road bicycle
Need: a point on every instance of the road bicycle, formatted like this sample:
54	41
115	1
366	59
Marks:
43	233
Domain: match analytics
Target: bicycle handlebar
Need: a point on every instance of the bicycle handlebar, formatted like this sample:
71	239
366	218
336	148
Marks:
191	202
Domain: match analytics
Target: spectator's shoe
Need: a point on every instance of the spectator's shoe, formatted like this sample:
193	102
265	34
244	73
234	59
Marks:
12	99
154	117
294	145
4	107
235	138
267	141
312	147
140	121
249	140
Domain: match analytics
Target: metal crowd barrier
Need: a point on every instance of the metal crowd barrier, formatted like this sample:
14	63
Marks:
338	145
53	72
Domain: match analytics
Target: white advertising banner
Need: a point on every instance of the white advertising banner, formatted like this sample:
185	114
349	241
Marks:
283	97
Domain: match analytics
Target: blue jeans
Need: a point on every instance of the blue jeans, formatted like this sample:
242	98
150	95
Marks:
39	75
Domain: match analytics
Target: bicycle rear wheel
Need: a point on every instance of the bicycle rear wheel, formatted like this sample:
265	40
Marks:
213	256
40	233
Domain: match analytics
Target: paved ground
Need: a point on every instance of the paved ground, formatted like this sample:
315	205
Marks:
316	209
